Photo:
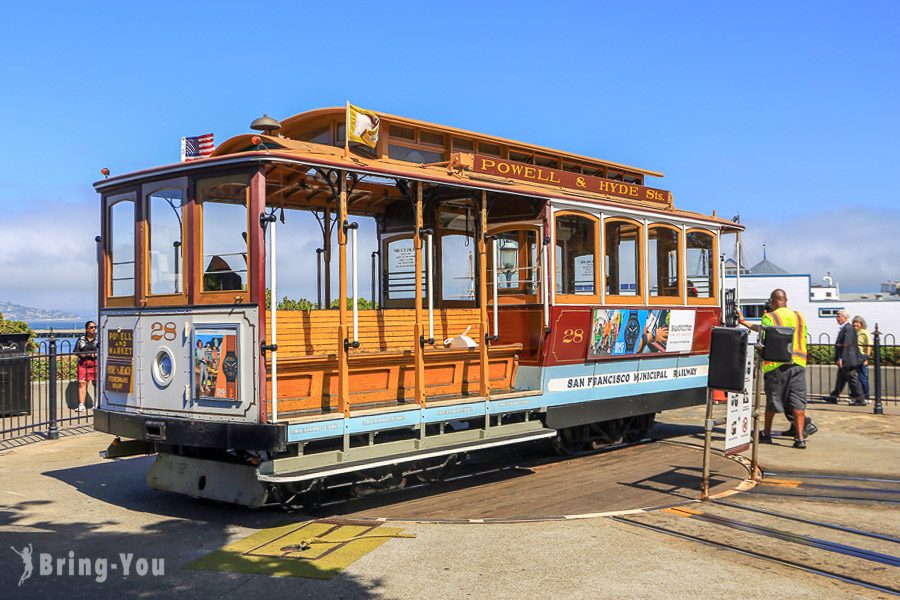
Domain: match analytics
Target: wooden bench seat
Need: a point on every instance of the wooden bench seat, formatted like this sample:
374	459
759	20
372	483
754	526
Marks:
382	370
314	332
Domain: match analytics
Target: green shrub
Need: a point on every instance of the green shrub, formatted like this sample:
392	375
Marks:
9	326
306	304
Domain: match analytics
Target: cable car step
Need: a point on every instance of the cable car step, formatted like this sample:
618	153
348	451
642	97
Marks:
277	471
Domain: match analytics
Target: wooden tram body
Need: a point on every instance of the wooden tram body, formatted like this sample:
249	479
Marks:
596	316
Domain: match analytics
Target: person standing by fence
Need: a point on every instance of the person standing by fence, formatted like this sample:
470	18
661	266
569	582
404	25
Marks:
864	339
848	359
86	349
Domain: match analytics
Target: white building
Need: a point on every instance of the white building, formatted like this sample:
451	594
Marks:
818	302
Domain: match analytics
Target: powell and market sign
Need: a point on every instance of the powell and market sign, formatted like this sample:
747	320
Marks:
565	179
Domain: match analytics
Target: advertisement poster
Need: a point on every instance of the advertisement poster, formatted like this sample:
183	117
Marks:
216	364
625	332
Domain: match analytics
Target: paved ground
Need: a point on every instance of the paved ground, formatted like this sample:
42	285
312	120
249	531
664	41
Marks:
60	497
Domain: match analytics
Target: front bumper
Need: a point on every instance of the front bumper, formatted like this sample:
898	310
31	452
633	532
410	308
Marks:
190	432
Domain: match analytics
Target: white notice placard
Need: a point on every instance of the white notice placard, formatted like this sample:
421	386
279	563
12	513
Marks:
681	331
738	424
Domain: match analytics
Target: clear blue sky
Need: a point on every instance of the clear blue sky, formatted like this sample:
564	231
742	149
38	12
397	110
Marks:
784	112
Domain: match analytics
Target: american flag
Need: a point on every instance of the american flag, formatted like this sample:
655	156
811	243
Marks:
193	148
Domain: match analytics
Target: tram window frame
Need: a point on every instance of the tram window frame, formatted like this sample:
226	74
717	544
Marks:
641	294
514	295
111	200
386	300
187	204
679	270
713	299
441	233
204	296
398	144
563	298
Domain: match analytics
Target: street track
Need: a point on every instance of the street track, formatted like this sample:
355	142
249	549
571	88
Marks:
788	563
704	523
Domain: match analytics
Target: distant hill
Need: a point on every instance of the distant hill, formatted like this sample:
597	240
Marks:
17	312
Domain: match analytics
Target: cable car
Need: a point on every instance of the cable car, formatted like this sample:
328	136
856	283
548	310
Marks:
462	291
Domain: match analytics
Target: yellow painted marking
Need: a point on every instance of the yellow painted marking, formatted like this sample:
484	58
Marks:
682	511
315	549
791	483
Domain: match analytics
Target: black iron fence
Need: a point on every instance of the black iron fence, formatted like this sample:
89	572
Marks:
881	374
39	390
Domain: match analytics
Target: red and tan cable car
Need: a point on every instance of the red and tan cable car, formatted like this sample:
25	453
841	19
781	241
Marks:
514	293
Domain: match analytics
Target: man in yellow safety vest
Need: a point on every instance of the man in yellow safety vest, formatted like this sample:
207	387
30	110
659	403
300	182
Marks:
785	382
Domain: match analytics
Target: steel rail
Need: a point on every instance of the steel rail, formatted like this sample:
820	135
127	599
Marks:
781	561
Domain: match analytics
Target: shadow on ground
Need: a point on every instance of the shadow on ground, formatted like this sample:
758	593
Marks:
112	512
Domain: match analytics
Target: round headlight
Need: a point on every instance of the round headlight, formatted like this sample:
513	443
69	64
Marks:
163	367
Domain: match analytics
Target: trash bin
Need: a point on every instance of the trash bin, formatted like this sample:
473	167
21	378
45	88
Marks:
15	375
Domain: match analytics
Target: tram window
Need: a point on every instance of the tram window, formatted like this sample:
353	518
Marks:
520	157
488	149
319	135
575	251
405	133
546	161
460	145
456	228
121	247
701	266
571	168
341	134
623	258
223	206
518	260
414	155
428	137
166	243
400	269
663	258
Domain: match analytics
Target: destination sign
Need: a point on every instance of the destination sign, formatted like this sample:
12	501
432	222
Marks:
119	378
565	179
120	343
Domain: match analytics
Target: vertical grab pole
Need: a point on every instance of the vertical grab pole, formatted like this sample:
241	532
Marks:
430	289
374	279
737	273
319	260
354	265
273	272
544	280
495	253
485	388
419	330
343	342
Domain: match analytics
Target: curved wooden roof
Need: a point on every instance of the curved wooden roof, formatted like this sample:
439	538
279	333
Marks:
277	148
292	126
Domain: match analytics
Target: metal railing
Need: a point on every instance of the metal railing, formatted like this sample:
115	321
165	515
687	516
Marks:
882	370
39	392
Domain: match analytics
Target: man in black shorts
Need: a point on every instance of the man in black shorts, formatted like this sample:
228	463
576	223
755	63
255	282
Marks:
785	383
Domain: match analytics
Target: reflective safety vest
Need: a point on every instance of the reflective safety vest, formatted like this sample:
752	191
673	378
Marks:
785	317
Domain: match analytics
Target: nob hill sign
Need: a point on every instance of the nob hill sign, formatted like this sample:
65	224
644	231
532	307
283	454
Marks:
566	179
